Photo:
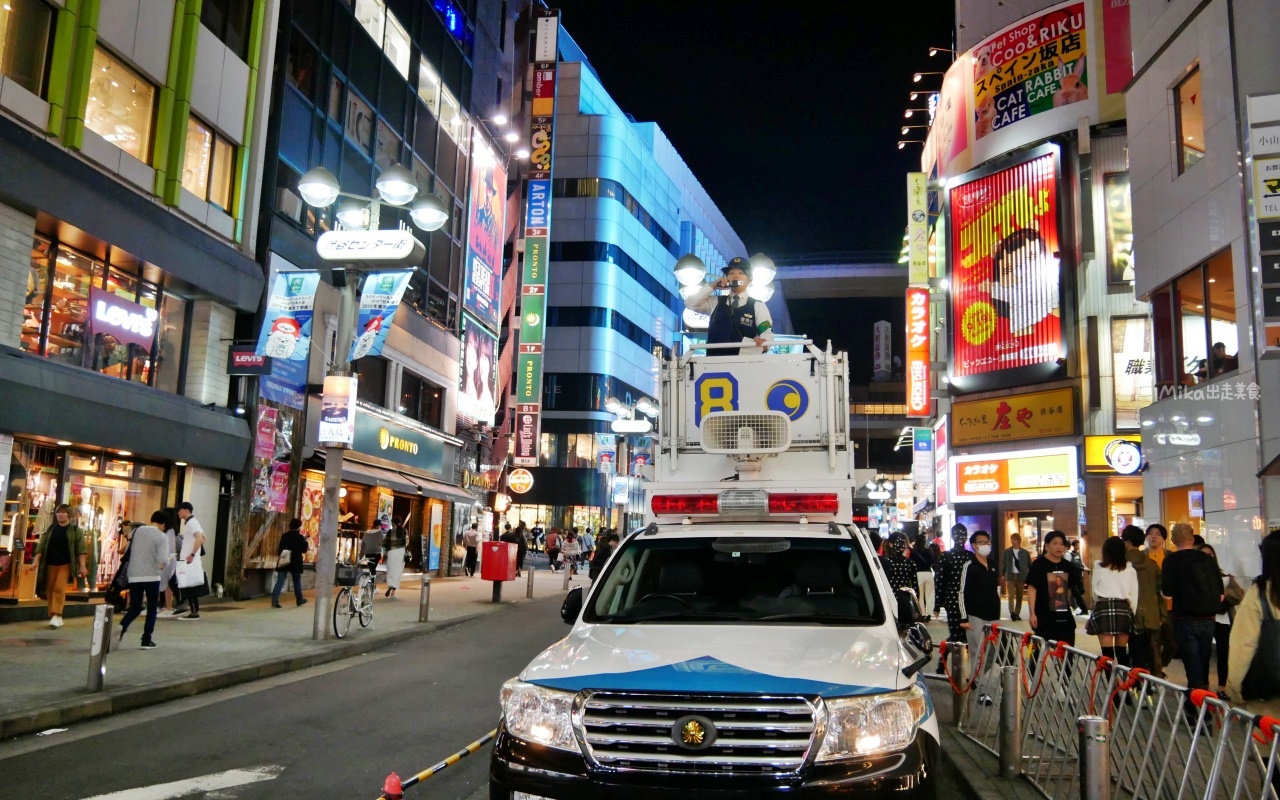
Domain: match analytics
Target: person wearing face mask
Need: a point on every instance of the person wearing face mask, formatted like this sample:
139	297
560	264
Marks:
1051	582
979	600
1025	283
899	569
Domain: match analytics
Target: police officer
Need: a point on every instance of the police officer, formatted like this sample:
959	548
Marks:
735	317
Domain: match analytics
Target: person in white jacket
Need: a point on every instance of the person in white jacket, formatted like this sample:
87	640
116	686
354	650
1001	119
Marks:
149	554
1115	600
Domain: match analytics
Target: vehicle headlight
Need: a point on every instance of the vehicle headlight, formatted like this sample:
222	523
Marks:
863	726
540	715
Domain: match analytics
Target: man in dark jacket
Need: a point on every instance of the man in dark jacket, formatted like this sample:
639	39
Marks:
295	544
979	598
1149	616
1192	581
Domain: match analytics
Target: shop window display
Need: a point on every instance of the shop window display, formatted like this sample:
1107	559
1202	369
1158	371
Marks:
30	498
81	312
121	105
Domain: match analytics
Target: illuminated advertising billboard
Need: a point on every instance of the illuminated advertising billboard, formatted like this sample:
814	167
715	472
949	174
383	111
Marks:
1006	273
482	292
479	372
1049	474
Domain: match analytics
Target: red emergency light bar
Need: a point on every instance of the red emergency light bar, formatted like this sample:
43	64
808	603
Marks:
677	504
804	503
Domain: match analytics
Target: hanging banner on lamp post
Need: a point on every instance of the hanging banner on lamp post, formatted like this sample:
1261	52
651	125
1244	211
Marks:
379	300
286	328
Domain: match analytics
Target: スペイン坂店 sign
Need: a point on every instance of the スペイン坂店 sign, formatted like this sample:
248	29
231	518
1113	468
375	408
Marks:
1006	279
1046	474
1033	415
919	402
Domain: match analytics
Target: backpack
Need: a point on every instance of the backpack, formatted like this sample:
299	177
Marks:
1262	681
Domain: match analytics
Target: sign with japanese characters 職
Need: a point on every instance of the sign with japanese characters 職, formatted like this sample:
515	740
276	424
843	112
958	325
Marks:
1045	474
1034	415
919	403
1132	382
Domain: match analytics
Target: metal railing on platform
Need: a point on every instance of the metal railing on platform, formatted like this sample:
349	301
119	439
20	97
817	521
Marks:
1077	725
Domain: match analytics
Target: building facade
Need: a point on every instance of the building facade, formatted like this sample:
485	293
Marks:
1203	107
364	86
626	207
1041	349
131	136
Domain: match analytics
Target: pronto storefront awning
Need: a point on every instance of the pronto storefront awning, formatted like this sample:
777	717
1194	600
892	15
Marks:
398	480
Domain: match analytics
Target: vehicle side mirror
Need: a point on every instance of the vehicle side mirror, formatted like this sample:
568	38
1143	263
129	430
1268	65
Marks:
918	639
572	606
908	609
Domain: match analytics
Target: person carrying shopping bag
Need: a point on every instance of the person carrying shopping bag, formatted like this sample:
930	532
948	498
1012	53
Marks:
289	562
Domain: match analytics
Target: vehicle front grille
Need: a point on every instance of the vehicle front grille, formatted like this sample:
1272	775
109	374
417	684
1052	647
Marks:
752	735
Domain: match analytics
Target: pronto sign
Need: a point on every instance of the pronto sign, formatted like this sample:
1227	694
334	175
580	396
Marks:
520	481
1046	474
382	247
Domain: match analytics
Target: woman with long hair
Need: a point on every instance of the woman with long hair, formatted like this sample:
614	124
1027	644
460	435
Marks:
1260	688
1115	600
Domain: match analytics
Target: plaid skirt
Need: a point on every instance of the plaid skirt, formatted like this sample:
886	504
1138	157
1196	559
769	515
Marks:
1110	617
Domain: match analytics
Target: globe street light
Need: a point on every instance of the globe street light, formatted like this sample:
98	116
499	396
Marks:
690	270
395	186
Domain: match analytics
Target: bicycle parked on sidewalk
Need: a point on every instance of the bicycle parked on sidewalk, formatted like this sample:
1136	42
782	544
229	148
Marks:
355	599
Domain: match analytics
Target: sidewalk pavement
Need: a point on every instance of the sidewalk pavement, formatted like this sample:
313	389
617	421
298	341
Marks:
46	671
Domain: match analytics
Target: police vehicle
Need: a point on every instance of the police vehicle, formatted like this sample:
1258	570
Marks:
745	643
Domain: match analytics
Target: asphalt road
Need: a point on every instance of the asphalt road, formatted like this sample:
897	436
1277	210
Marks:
330	732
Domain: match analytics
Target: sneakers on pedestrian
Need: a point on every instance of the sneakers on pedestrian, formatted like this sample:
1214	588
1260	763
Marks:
984	699
302	602
276	604
191	616
55	621
149	645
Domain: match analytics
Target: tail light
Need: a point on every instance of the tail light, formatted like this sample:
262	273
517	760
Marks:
669	504
804	503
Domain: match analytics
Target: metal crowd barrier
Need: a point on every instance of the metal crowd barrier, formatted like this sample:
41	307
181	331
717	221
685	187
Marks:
1077	725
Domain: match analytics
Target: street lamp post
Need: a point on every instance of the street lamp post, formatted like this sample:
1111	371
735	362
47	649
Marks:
631	420
319	188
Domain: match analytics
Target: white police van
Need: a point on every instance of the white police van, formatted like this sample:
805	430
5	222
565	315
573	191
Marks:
745	643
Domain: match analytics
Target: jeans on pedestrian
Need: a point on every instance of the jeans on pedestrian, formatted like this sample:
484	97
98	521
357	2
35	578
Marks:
297	585
136	591
1195	641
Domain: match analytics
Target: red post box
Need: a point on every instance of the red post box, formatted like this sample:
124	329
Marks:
498	562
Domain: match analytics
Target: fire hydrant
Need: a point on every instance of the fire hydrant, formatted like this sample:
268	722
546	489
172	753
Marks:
391	788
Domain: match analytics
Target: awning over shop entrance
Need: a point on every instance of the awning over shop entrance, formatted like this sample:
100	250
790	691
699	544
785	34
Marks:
1271	470
39	397
396	480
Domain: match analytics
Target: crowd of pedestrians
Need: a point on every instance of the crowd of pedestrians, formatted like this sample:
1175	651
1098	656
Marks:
1153	596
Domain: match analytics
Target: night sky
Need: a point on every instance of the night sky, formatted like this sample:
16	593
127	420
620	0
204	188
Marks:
788	113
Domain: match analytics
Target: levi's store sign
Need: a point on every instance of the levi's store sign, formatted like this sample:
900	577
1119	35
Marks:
1006	278
919	403
128	322
1046	474
242	360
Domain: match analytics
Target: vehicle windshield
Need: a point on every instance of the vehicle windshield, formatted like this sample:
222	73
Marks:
761	579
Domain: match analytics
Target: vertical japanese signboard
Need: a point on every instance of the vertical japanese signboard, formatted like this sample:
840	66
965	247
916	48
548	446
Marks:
881	350
482	292
919	404
537	225
917	228
1006	282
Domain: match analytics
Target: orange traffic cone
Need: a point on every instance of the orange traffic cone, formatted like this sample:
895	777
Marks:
391	788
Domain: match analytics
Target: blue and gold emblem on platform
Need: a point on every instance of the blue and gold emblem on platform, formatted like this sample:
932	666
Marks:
789	397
